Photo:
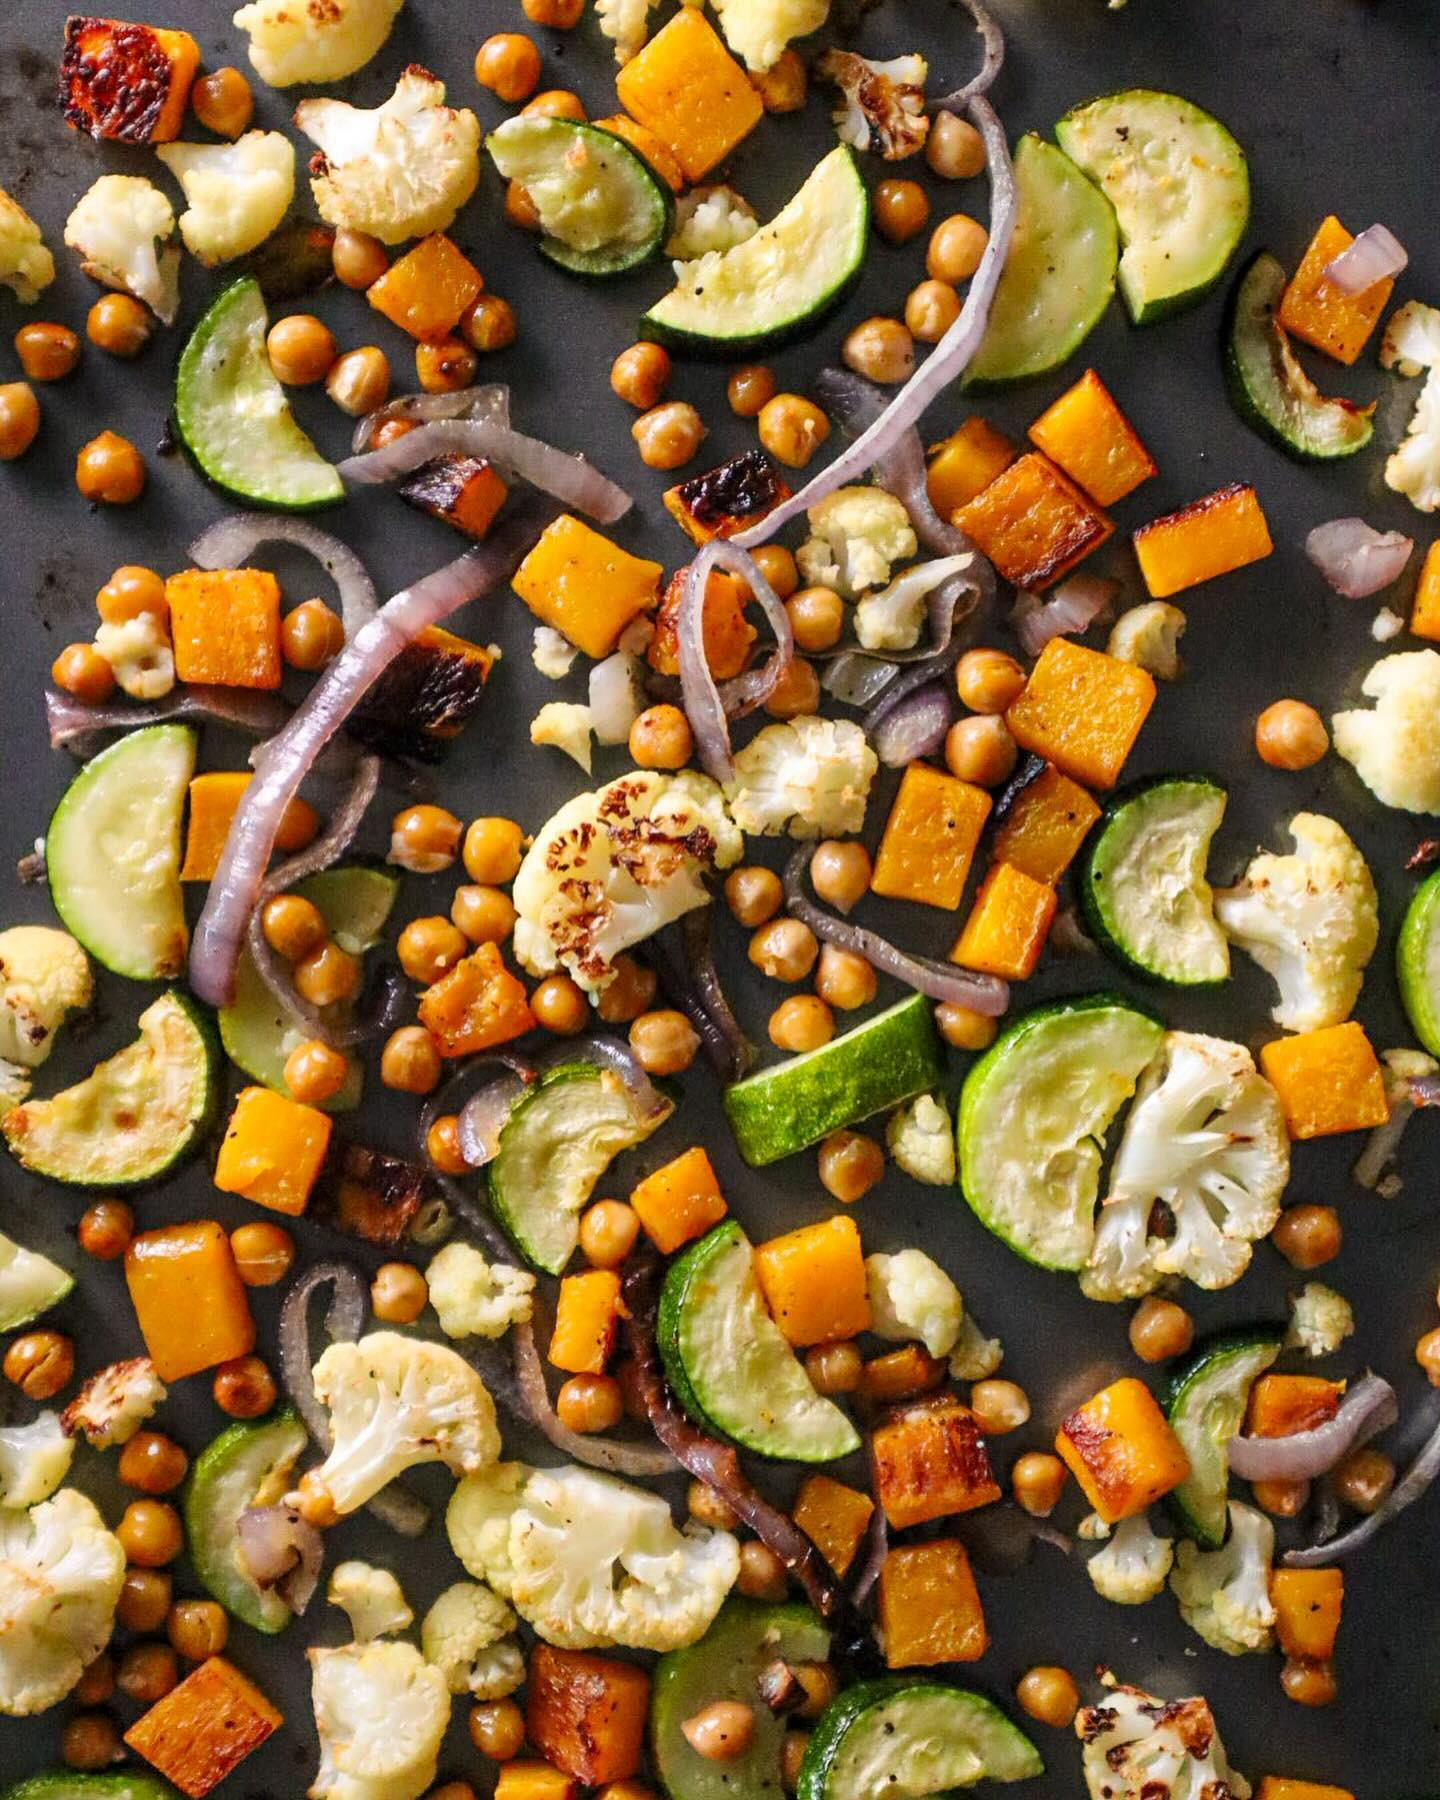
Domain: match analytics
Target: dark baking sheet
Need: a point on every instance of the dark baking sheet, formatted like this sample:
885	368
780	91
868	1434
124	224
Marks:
1334	101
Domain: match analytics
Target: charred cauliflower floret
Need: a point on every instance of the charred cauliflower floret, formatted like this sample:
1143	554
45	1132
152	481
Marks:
1140	1748
44	974
294	41
121	230
114	1403
882	104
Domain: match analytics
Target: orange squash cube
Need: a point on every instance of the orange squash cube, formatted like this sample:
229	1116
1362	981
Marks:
426	290
477	1005
273	1150
1425	612
1008	924
930	838
1281	1405
586	1714
463	491
834	1517
1082	710
225	627
426	697
1328	1081
679	1202
202	1730
1086	434
535	1781
1318	313
724	630
931	1460
214	801
587	1316
813	1281
688	89
965	464
659	156
724	501
1120	1448
930	1609
1043	824
1212	536
126	82
587	588
1307	1604
1033	522
1285	1787
189	1300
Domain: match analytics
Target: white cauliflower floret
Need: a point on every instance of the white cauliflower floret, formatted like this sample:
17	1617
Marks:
371	1598
44	974
34	1460
1411	340
310	41
26	266
1224	1594
1395	747
121	228
1149	637
398	171
911	1297
975	1356
882	104
617	697
1320	1320
893	618
759	30
140	655
476	1298
114	1403
1206	1138
395	1402
856	534
808	775
921	1141
587	1560
236	194
1132	1567
381	1712
1141	1748
468	1636
611	867
61	1573
1411	344
626	23
1310	919
554	655
710	219
564	725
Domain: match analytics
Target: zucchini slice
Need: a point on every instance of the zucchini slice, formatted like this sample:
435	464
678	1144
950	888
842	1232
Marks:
1270	389
779	283
113	853
1033	1116
602	208
1417	962
30	1284
1059	275
247	1465
1143	888
1179	185
136	1116
730	1364
1206	1406
70	1784
233	415
907	1739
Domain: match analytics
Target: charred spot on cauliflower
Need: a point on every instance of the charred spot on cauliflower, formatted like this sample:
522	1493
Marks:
1138	1747
114	1403
310	41
882	104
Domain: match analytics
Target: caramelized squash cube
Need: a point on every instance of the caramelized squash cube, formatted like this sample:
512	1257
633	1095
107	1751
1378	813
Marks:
530	1780
1281	1405
202	1730
477	1005
463	491
1121	1450
930	838
1328	1081
1307	1606
1213	536
426	698
688	89
214	800
225	627
1008	924
1425	612
127	82
1285	1787
189	1300
273	1150
587	588
813	1281
587	1316
1085	433
965	464
679	1202
1033	522
930	1609
726	500
645	143
1044	818
1319	313
1082	710
371	1195
425	291
586	1714
931	1460
834	1517
724	630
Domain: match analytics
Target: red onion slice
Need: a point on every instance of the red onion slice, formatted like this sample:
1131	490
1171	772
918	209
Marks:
1424	1090
731	1054
619	1062
250	710
915	727
1376	255
708	707
1368	1408
638	1460
992	42
279	1549
483	1116
855	678
489	403
227	544
1074	606
1355	559
1413	1485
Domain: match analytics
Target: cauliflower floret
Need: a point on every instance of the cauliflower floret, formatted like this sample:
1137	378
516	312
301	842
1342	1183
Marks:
395	1402
26	266
554	655
371	1598
1141	1748
294	41
1395	747
894	618
114	1403
400	170
34	1460
613	866
882	104
912	1297
43	975
856	534
140	655
626	23
1207	1139
1410	345
1310	919
587	1560
710	219
467	1635
61	1573
564	725
758	30
921	1140
617	697
1320	1320
975	1356
121	228
476	1298
809	775
381	1712
1133	1565
1411	341
1149	637
1224	1594
236	194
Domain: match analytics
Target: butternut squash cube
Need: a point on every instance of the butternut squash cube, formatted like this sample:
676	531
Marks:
1307	1606
1033	522
679	1202
813	1281
930	838
426	290
586	587
1120	1448
214	801
273	1150
724	501
1285	1787
1082	710
225	627
202	1730
1425	613
189	1300
1320	314
427	696
1281	1405
1008	924
535	1781
688	89
834	1517
586	1714
463	491
477	1005
1086	434
964	464
1328	1081
587	1316
930	1609
659	156
724	630
1043	823
1213	536
126	82
930	1461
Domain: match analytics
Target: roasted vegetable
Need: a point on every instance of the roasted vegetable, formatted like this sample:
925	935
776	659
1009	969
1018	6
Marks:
1008	924
725	631
202	1730
727	499
426	697
225	626
1119	1446
463	491
1209	537
1085	433
426	290
1328	1080
1042	819
586	1714
124	81
1033	522
930	1610
1082	711
189	1300
930	1461
834	1517
586	587
477	1005
587	1317
930	838
273	1150
965	464
371	1195
1319	313
680	1201
687	88
813	1280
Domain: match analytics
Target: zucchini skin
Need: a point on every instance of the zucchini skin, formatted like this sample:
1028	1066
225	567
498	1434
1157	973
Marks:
1237	1340
703	348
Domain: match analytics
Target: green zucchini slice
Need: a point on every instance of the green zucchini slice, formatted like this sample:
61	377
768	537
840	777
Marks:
247	1465
1417	962
1206	1406
70	1784
30	1284
908	1739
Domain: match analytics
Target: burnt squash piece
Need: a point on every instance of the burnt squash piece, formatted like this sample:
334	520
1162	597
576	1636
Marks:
463	491
371	1195
726	500
425	698
127	82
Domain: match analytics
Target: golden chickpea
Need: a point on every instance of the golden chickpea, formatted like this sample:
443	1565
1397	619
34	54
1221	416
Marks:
1307	1236
484	914
956	246
817	617
777	565
40	1363
901	209
782	86
147	1672
1290	735
81	670
710	1508
445	365
559	15
801	1022
753	894
840	872
90	1742
668	435
762	1574
110	471
792	429
264	1253
784	950
834	1368
492	851
560	1006
315	1073
608	1230
820	1683
639	375
105	1230
628	993
410	1062
797	692
359	381
144	1599
19	419
442	1145
590	1403
424	839
520	209
792	1754
97	1684
399	1293
197	1629
311	635
150	1534
244	1388
843	979
999	1405
1049	1695
152	1463
489	324
131	591
900	1375
509	65
47	352
849	1165
429	948
930	310
1037	1481
1427	1354
497	1729
1364	1479
980	749
963	1028
988	681
664	1042
358	259
1309	1683
555	103
453	1790
314	1502
954	149
119	325
1284	1499
881	350
1160	1329
294	927
301	349
749	388
661	738
327	975
222	102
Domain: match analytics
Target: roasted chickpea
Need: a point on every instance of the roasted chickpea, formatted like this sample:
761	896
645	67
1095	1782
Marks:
442	1145
801	1022
559	1005
956	246
628	993
40	1363
315	1073
244	1388
608	1230
753	894
954	149
555	103
1160	1329
710	1508
97	1683
1290	735
840	872
1364	1479
484	914
152	1463
429	948
749	388
1309	1683
301	349
509	65
105	1230
777	565
399	1293
453	1790
781	87
410	1062
19	419
762	1574
980	749
1307	1236
834	1368
639	375
817	617
197	1629
988	681
264	1253
425	839
147	1672
492	851
489	324
668	435
901	209
311	635
131	591
999	1405
314	1502
497	1729
784	950
445	365
1049	1695
359	381
664	1042
797	692
327	975
358	259
930	310
1037	1481
559	15
1284	1499
844	979
144	1600
792	429
222	102
520	209
47	352
881	350
821	1684
661	738
590	1403
81	670
110	471
963	1028
849	1165
150	1534
1427	1354
900	1375
294	927
90	1742
119	325
792	1755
